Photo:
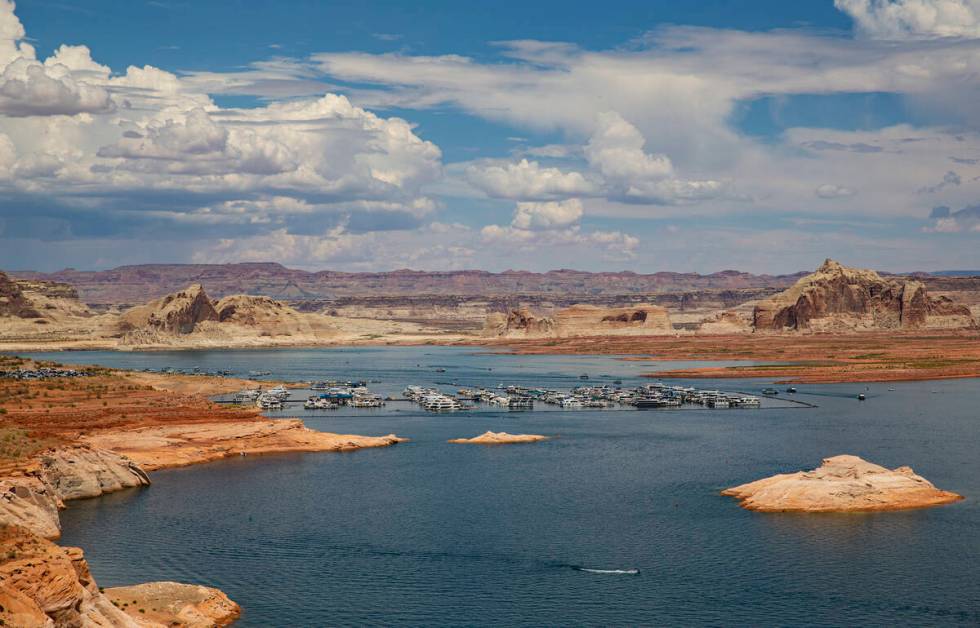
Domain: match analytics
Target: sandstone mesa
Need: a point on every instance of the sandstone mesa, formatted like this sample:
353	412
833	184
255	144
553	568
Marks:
842	483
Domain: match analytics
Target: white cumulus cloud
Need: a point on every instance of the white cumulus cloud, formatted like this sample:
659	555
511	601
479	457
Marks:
526	180
547	215
904	19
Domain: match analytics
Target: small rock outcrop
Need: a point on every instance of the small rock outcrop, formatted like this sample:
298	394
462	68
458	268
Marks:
519	322
177	313
837	298
499	438
841	484
175	604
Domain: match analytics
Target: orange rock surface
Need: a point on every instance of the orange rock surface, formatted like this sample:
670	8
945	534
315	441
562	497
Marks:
499	438
175	605
841	484
168	446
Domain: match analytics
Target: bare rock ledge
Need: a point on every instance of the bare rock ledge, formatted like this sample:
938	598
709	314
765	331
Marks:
499	438
842	484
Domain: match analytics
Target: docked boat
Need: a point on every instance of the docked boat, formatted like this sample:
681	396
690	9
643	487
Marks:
440	403
520	403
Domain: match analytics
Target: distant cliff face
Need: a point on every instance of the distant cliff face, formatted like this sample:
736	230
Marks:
134	284
30	299
838	298
177	313
12	300
591	320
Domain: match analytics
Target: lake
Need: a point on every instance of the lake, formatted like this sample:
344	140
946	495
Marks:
428	533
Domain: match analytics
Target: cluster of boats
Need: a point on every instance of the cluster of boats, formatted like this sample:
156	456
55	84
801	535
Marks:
432	400
660	395
271	399
331	395
195	370
334	395
513	398
656	395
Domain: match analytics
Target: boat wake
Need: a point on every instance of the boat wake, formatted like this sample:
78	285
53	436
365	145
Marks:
612	572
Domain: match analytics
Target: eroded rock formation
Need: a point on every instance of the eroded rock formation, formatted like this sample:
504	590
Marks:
592	320
837	298
42	584
518	322
581	320
842	484
175	604
177	313
12	300
33	497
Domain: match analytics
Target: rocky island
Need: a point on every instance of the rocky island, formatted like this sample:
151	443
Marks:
842	484
499	438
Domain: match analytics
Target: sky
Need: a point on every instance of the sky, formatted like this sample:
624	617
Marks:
369	135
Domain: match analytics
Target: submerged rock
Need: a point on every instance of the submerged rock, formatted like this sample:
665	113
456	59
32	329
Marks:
842	484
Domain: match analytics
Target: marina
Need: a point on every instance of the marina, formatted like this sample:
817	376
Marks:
355	394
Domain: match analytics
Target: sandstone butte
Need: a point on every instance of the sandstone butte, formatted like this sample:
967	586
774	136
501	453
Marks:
499	438
842	484
837	298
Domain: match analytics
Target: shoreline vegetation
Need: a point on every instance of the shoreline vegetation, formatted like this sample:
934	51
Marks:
73	438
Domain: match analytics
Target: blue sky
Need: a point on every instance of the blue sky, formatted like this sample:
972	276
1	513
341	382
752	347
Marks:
647	136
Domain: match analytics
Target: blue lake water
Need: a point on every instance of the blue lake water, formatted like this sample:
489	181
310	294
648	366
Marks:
428	533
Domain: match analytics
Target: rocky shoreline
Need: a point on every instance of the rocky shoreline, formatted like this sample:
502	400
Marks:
107	431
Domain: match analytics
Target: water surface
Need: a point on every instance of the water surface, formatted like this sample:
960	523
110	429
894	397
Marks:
428	533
